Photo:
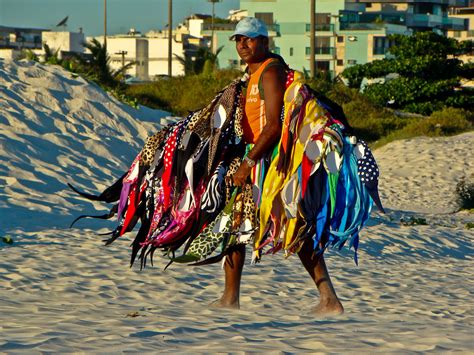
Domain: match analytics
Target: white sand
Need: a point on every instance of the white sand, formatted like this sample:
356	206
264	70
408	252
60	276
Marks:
62	291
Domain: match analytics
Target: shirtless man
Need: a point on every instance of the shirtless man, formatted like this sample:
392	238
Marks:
264	130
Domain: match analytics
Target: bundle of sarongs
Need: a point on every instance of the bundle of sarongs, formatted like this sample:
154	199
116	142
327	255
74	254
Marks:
318	183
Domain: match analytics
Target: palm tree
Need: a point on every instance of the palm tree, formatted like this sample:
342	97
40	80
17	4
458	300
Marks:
205	61
50	56
99	65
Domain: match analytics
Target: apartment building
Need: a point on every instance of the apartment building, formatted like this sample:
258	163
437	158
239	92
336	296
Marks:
348	32
13	40
416	15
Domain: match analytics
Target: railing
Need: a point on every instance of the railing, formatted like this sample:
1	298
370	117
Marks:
344	26
326	27
321	51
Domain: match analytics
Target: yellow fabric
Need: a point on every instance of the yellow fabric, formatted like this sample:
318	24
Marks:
314	117
274	180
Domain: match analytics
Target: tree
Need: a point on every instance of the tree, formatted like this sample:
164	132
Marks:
429	69
51	56
205	62
98	66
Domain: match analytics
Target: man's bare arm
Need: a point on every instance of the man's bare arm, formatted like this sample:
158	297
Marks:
274	79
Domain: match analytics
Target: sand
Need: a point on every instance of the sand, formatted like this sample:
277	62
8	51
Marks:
61	290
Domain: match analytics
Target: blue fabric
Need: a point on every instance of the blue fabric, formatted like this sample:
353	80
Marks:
322	215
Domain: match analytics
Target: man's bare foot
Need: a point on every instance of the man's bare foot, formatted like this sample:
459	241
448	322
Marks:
220	303
329	308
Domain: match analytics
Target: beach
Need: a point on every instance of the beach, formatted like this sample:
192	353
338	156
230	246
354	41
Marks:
62	290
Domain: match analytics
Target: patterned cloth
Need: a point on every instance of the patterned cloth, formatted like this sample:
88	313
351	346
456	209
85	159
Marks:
317	183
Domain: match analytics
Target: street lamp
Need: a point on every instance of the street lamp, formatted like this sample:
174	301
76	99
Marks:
334	33
312	38
170	36
212	23
105	25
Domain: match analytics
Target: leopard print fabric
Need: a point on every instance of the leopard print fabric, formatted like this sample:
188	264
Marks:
152	144
234	165
210	238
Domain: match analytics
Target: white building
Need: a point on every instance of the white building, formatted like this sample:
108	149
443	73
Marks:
13	40
64	41
149	53
158	57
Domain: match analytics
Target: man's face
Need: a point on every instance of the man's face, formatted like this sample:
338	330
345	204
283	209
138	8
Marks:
251	50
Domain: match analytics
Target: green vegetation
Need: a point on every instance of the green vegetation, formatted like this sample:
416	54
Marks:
429	70
425	60
7	240
205	62
414	221
465	194
182	94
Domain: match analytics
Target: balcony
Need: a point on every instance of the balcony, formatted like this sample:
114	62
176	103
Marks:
326	27
370	21
460	3
322	52
437	21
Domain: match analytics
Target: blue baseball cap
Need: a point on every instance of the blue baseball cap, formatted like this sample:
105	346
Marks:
250	27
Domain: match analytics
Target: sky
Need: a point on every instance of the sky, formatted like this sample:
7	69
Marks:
143	15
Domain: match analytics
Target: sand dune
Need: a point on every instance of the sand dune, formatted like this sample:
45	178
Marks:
61	290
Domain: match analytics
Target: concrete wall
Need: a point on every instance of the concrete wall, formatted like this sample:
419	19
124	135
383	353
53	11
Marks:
64	41
195	27
116	45
158	57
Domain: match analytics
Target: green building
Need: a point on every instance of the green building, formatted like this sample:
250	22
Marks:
348	32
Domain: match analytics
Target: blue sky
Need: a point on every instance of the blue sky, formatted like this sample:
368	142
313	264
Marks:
143	15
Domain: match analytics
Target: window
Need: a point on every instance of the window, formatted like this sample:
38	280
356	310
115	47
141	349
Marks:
340	39
380	45
340	62
320	50
291	51
323	22
265	17
351	61
322	65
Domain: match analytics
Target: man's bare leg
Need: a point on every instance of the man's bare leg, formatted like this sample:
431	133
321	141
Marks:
316	267
233	273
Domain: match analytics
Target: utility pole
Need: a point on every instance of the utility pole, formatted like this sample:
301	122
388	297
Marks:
105	25
122	53
170	36
312	38
212	23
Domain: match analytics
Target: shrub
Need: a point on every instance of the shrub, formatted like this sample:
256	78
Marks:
446	122
465	194
183	94
429	74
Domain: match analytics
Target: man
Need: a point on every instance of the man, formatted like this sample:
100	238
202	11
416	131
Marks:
262	128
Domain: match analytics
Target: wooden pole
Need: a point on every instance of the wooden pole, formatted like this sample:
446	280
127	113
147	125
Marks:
170	36
312	36
105	25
